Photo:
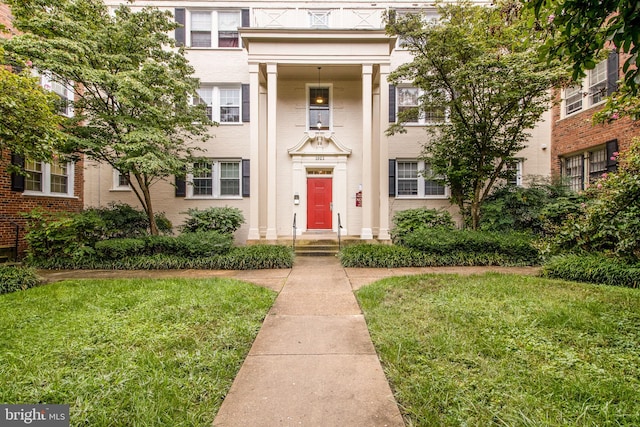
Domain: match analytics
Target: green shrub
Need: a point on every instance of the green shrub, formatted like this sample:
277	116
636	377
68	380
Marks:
17	278
160	245
122	221
202	244
594	268
120	248
409	220
224	220
241	258
63	235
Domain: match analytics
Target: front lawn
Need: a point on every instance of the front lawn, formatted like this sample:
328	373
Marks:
507	350
129	352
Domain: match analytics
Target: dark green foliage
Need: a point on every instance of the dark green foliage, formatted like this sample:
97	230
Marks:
160	244
516	247
120	248
538	208
241	258
122	220
224	220
595	268
409	220
17	278
202	244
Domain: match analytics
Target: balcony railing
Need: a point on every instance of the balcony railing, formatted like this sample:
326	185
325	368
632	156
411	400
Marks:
332	18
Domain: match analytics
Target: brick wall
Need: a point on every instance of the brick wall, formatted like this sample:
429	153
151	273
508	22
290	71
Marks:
5	19
13	204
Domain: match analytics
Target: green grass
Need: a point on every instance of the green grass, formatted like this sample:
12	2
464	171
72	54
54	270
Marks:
129	352
507	350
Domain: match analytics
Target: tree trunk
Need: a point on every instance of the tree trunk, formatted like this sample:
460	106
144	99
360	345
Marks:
148	208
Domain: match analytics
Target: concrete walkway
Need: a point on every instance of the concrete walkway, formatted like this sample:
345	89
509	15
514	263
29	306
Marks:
312	363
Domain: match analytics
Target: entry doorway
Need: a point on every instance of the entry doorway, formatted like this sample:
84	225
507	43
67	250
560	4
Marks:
319	203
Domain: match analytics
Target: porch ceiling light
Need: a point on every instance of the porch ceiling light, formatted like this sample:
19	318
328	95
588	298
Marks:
319	99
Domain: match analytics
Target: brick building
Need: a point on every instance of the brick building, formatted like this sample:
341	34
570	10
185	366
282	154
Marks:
580	150
55	186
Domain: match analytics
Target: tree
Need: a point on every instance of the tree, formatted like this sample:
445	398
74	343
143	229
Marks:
579	31
29	124
480	65
132	87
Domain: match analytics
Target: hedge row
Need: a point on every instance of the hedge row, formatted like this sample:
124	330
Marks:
240	258
17	278
188	245
593	268
385	256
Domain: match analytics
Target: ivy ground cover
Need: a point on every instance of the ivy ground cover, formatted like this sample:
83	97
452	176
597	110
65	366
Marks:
507	350
129	352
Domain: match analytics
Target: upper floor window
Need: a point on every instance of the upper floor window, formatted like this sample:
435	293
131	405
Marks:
214	28
414	179
120	181
49	179
319	108
223	102
599	83
65	92
408	99
216	178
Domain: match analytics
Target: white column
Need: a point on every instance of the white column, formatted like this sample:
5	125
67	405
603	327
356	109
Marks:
383	167
254	152
272	104
367	155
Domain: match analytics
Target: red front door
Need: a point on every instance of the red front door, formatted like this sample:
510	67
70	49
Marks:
319	203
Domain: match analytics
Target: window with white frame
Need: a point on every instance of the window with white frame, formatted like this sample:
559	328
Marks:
408	98
223	102
573	99
214	28
597	164
515	172
414	179
216	179
65	92
598	82
120	181
49	179
319	107
573	171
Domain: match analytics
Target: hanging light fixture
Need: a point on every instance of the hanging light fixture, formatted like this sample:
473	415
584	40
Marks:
319	99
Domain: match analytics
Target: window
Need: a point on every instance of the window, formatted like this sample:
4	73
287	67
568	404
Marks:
597	164
214	28
573	99
414	179
598	82
49	179
574	173
408	99
515	173
319	109
216	179
223	103
65	92
120	182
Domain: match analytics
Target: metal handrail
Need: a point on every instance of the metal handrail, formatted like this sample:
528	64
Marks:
295	228
339	228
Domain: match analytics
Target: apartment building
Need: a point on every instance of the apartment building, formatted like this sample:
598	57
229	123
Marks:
56	186
301	92
582	151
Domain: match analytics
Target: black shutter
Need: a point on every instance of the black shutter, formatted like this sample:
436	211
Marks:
181	185
612	72
179	15
392	177
246	105
246	173
612	160
392	104
17	180
245	18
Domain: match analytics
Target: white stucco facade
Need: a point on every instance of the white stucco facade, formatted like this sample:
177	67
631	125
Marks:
290	165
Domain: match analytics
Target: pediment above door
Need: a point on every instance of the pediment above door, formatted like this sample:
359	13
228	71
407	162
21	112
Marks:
321	142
